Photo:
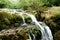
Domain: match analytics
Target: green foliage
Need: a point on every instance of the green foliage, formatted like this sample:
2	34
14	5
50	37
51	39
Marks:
16	20
52	2
5	15
7	20
57	16
57	19
27	3
57	2
21	3
53	22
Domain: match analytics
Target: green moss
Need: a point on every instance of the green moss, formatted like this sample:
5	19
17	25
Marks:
7	20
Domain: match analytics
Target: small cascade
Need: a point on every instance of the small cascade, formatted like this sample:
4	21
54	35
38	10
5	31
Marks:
33	35
29	37
34	38
46	32
24	23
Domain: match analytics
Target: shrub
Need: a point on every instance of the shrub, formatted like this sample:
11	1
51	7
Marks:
7	20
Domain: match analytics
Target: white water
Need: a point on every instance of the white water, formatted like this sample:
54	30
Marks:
46	32
34	38
21	14
29	37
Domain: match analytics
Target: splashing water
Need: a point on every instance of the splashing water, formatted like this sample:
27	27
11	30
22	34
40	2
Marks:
46	32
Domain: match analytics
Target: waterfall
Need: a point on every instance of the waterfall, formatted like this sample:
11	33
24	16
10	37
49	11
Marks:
21	14
46	32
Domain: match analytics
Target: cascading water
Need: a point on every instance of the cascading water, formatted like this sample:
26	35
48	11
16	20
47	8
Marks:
29	37
24	23
46	32
34	38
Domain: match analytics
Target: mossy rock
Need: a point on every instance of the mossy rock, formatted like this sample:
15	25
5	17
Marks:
20	33
7	19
